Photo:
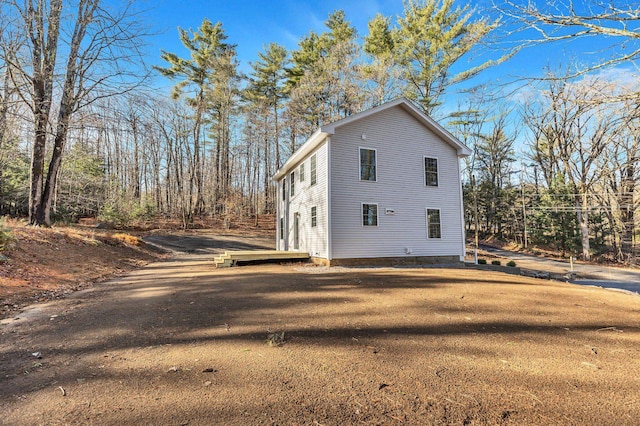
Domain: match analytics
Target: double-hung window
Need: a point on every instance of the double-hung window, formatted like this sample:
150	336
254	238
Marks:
302	172
282	228
284	189
369	214
368	164
431	171
314	216
314	171
292	183
433	223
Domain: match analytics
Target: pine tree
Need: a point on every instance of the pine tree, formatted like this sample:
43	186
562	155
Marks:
382	71
267	91
196	76
324	81
432	36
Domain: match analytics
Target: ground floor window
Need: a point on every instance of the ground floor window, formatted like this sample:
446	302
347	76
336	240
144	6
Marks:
369	214
433	223
314	216
282	228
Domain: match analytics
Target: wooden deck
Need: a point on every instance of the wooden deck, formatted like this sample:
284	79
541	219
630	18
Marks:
233	258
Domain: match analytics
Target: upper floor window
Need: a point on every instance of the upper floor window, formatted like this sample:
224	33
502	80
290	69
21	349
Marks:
433	223
368	164
284	189
302	172
314	172
292	183
369	214
431	171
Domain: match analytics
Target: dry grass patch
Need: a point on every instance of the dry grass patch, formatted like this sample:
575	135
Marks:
128	239
43	263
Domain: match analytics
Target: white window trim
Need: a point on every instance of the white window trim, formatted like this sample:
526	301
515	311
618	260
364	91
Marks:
311	182
424	172
360	163
426	219
377	215
281	229
284	189
292	184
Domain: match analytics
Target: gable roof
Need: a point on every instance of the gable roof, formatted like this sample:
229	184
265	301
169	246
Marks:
319	136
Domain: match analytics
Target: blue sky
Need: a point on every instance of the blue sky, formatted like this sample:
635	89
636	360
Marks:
252	24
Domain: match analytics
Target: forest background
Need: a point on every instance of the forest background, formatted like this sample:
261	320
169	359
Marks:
96	123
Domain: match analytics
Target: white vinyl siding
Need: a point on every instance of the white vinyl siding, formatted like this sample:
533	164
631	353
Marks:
402	143
312	239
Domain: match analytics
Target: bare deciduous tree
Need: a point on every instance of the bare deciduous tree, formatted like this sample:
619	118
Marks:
573	130
568	20
92	48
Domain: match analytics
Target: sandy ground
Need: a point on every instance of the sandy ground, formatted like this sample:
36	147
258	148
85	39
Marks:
181	343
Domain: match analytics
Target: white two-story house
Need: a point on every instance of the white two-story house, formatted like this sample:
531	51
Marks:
379	187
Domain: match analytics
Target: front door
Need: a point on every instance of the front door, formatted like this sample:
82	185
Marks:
296	231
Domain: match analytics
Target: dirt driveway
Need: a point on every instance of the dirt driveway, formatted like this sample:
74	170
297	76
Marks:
180	343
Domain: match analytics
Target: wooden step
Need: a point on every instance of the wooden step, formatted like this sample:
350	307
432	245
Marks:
232	258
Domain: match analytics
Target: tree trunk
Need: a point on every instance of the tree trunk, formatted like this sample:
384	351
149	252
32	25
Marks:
583	223
54	166
627	211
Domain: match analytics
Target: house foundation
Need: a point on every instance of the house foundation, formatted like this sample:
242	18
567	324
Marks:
390	261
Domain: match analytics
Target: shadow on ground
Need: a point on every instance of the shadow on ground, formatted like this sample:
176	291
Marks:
471	345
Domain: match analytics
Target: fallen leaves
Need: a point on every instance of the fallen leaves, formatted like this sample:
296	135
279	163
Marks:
48	263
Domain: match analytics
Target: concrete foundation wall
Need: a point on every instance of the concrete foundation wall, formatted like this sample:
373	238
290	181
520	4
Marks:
390	261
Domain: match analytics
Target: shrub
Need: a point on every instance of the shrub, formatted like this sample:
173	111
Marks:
482	261
511	264
6	235
122	212
127	239
496	262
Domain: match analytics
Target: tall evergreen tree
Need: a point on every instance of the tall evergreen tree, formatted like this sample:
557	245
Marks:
432	36
382	70
196	75
324	79
267	90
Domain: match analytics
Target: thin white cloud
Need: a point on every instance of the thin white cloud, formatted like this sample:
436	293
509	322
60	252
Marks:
620	76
